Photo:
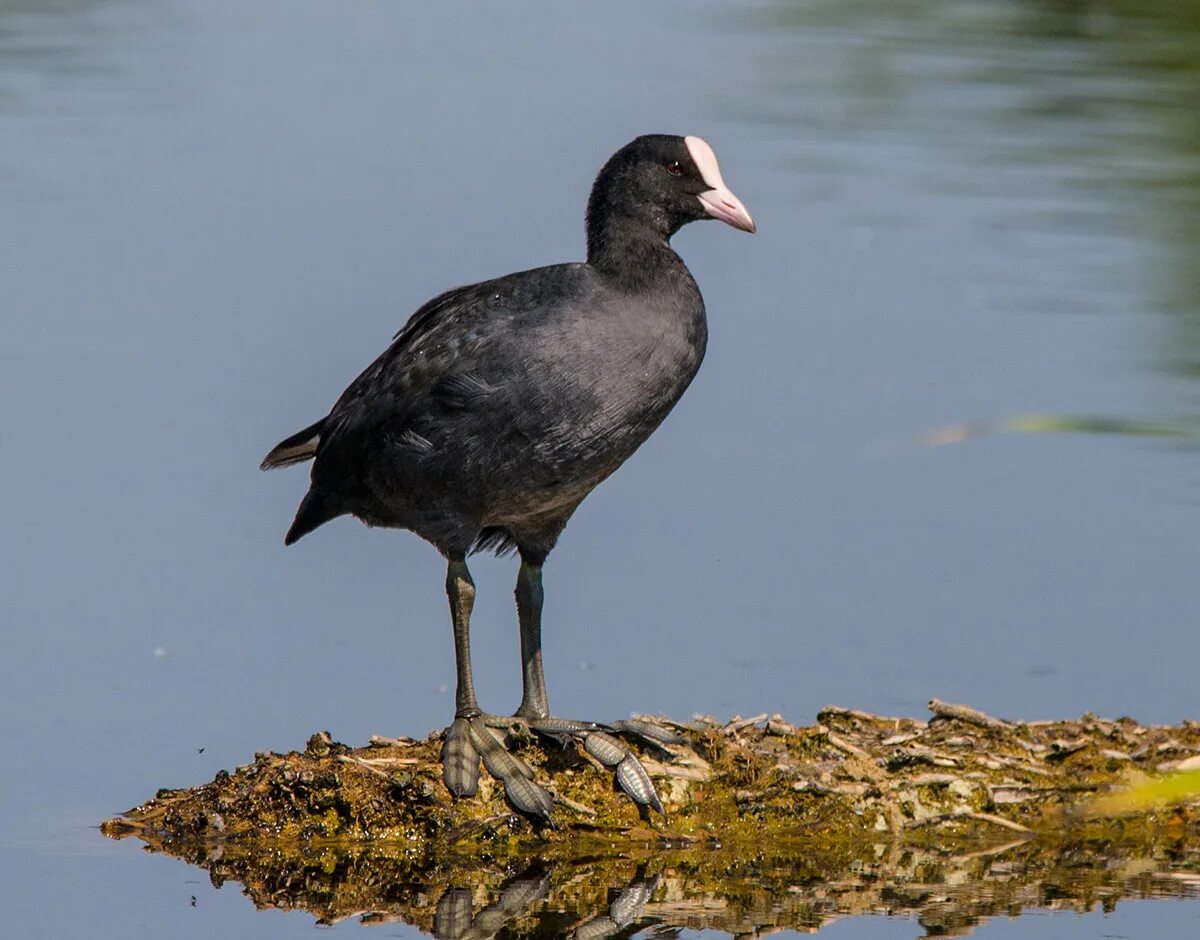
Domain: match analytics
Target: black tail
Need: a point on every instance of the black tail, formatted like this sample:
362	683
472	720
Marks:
317	508
298	448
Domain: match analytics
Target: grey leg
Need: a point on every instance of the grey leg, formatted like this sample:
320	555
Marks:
534	702
460	759
535	705
471	737
461	591
468	739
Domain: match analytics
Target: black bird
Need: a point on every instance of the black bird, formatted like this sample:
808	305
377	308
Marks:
500	405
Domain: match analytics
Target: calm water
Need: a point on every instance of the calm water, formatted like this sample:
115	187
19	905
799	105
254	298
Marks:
213	215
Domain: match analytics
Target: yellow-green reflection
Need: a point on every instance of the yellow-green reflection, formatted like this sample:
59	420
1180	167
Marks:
951	820
1180	787
1052	424
801	888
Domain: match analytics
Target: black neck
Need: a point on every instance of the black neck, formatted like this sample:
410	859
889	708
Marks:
634	251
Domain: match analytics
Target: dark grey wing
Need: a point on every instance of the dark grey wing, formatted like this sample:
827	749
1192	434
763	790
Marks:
454	355
382	396
380	391
428	313
453	305
305	444
437	350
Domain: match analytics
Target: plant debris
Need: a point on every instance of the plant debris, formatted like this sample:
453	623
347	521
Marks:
768	823
852	775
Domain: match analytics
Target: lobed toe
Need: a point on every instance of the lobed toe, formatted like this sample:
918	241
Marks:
460	760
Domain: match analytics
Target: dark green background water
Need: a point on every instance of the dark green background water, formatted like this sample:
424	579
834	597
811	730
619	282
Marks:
212	215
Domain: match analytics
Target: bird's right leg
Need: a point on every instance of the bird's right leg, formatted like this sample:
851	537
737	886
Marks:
469	737
460	758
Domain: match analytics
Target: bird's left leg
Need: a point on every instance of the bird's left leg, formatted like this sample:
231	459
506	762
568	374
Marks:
598	739
534	701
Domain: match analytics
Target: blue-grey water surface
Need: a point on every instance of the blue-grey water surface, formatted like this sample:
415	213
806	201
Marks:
213	215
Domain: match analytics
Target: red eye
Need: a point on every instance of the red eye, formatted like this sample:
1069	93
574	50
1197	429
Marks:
674	168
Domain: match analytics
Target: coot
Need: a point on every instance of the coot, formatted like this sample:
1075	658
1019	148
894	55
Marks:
500	405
